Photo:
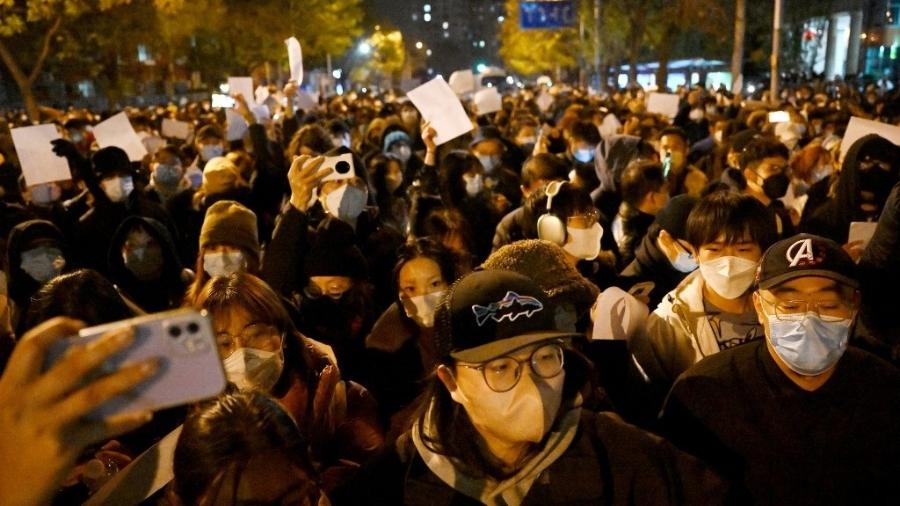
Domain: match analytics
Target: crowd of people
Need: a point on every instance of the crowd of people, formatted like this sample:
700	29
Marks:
578	302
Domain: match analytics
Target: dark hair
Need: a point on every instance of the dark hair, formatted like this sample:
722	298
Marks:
760	148
450	431
427	247
640	178
227	434
83	295
732	214
453	166
568	202
222	294
676	131
384	198
585	131
313	137
543	166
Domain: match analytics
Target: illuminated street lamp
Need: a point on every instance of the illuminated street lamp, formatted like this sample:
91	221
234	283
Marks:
364	48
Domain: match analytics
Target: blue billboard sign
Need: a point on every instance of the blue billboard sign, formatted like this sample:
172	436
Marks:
546	14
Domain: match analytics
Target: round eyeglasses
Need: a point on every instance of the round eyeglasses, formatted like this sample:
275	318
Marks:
503	374
260	336
828	310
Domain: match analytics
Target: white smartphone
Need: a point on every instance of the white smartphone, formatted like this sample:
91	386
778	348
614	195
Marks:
342	166
183	340
220	101
779	117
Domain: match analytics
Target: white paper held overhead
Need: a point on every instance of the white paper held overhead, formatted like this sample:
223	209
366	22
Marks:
241	86
175	129
439	105
663	103
237	127
295	59
39	163
487	101
117	131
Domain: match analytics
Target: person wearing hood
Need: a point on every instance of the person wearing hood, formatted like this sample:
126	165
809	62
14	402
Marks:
400	347
664	257
398	144
489	147
869	170
503	420
144	264
36	252
610	160
116	200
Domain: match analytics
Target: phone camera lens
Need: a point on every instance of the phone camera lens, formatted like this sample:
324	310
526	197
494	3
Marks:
175	332
342	167
193	328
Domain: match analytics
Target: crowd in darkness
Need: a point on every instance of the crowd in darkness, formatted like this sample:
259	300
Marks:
577	302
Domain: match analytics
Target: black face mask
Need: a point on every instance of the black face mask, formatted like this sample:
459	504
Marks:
878	182
776	186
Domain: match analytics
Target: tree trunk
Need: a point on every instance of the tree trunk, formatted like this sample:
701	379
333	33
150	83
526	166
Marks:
737	52
25	82
662	73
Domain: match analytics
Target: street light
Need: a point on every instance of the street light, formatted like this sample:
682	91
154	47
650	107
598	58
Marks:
364	48
419	45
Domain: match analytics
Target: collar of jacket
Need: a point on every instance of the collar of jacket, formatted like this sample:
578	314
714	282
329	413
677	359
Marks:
686	304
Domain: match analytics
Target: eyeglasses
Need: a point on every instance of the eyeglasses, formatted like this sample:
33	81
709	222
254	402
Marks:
586	219
828	310
261	336
503	374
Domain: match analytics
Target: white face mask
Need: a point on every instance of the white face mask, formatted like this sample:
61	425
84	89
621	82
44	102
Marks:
474	184
43	263
210	151
224	264
346	203
402	152
584	243
729	276
250	368
718	135
523	414
421	308
489	162
118	189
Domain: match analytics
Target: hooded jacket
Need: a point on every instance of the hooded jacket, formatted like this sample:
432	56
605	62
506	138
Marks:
151	296
832	219
650	264
23	236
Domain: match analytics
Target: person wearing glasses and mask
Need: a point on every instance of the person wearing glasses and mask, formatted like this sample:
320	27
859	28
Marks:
798	417
502	421
261	350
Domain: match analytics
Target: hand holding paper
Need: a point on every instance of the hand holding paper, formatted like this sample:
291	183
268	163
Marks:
241	86
439	106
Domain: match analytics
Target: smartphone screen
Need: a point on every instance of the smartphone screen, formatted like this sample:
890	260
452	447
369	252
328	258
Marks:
220	101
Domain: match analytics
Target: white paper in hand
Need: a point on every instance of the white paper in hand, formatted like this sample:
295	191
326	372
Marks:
39	163
117	131
241	86
487	101
237	127
663	103
175	129
862	231
617	315
545	102
438	105
305	101
858	128
295	59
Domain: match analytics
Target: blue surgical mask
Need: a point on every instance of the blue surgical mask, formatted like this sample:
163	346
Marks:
167	175
684	262
210	151
808	344
584	155
489	162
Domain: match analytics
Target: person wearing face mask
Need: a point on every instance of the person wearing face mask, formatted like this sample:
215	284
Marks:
390	189
503	420
228	243
682	177
869	170
489	147
766	171
36	252
799	399
711	309
167	175
144	265
664	257
398	144
208	143
115	198
582	140
262	351
400	347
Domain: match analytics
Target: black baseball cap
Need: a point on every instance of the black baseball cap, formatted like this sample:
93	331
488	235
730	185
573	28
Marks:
805	255
487	314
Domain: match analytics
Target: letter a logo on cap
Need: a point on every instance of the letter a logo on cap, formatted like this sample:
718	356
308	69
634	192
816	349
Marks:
801	253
